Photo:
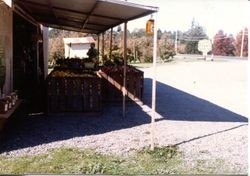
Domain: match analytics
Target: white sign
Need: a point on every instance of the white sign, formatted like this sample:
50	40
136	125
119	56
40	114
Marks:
8	2
204	46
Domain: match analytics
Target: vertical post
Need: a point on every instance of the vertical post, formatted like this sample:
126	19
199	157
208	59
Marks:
134	50
98	43
124	69
242	43
69	50
98	47
212	55
152	145
102	46
45	50
37	54
176	35
110	44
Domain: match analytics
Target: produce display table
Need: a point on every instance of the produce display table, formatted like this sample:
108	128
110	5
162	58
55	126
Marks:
74	93
83	91
112	83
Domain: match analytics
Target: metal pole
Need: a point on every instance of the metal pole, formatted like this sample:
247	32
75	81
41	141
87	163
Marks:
154	86
124	69
110	44
242	43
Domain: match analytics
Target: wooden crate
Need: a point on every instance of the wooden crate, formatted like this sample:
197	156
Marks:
112	84
74	94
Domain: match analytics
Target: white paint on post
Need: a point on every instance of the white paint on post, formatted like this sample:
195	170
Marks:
152	145
124	69
242	43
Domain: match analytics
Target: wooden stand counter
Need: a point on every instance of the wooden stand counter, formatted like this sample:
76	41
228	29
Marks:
11	111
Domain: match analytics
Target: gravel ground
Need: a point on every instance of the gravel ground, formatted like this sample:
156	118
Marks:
201	107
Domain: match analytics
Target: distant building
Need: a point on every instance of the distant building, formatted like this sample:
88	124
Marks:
77	47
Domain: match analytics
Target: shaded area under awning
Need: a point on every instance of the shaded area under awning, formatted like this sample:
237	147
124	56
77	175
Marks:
87	16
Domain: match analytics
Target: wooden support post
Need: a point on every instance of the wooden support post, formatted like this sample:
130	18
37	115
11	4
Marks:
45	50
98	48
110	44
102	46
124	69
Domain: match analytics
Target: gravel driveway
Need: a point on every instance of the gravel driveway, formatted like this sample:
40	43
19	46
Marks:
201	107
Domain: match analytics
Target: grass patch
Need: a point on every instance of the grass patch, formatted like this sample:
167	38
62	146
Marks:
163	160
74	161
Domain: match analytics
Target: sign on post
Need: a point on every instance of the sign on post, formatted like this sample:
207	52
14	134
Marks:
204	46
150	27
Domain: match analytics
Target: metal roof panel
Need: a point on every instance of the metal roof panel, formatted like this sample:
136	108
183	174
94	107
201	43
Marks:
88	16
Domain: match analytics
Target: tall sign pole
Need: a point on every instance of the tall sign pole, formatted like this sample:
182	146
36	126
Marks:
152	137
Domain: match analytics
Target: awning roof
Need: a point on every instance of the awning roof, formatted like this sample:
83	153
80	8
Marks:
87	16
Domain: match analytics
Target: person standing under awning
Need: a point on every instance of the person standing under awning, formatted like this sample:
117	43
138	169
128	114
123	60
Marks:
93	54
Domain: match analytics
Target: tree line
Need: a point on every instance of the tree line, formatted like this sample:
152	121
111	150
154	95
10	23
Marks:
169	42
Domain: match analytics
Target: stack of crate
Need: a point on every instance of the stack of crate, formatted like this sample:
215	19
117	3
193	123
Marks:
74	94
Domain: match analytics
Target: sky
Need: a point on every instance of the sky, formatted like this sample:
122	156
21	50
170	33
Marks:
229	15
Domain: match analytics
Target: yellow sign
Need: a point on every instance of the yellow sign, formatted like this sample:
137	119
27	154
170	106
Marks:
150	27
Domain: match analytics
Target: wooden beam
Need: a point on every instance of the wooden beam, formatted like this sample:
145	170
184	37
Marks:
90	13
78	20
124	69
51	8
110	44
69	28
98	47
102	46
25	15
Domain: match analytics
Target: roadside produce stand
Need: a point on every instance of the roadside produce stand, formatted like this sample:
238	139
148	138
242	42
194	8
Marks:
89	17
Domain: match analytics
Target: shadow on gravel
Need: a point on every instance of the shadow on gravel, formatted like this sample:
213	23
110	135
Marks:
37	130
207	135
172	104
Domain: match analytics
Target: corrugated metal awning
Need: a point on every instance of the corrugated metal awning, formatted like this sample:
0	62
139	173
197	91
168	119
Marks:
87	16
